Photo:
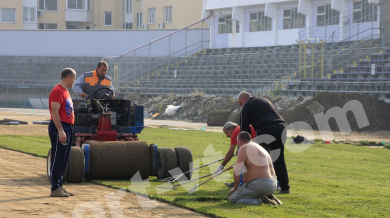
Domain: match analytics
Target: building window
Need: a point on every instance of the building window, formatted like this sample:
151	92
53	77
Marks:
78	4
237	26
71	27
129	6
87	27
48	26
225	24
107	18
259	22
139	20
7	15
292	19
129	26
327	16
29	14
168	14
48	5
152	15
364	12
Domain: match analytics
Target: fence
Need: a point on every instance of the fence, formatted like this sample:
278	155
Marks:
149	59
311	66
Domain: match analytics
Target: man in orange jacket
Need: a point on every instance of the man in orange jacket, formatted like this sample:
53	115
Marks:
89	83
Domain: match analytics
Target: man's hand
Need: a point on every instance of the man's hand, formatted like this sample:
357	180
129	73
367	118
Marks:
62	137
219	169
231	191
83	95
112	96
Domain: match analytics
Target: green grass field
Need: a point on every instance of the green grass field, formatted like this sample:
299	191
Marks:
327	180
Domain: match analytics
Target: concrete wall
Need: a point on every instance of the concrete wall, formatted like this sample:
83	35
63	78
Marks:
94	43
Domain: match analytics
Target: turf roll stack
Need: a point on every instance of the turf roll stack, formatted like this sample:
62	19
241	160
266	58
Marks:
184	160
218	118
119	159
235	118
168	161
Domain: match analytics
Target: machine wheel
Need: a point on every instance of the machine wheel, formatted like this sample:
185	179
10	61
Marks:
168	160
184	159
153	150
76	165
48	168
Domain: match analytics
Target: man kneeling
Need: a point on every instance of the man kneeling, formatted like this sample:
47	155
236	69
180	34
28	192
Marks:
254	162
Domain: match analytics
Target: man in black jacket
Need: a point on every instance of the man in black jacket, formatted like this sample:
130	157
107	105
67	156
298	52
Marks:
262	115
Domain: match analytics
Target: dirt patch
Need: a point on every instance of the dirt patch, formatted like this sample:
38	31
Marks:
197	108
25	189
24	115
377	111
192	108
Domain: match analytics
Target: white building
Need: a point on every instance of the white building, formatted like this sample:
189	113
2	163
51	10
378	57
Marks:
255	23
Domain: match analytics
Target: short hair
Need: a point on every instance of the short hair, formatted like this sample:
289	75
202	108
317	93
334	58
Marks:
243	94
67	72
102	63
229	124
244	136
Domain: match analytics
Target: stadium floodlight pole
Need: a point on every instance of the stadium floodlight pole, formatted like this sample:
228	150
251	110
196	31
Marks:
199	21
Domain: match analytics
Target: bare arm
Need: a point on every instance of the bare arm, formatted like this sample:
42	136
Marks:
241	158
238	168
228	155
271	167
55	107
78	87
113	95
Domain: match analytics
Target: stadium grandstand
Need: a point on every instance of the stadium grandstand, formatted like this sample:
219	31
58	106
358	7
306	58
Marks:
297	48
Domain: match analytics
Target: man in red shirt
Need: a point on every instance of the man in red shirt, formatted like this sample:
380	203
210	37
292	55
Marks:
60	130
231	131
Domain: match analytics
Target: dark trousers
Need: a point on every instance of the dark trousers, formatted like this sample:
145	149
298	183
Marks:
59	153
276	130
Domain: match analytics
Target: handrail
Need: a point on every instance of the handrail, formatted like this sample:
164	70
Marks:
199	21
369	50
153	62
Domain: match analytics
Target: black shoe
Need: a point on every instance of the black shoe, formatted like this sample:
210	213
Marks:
230	185
287	191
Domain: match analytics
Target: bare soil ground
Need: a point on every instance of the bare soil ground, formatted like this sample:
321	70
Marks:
25	189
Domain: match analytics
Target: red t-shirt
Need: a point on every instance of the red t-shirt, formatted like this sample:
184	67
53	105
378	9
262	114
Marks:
61	95
237	130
